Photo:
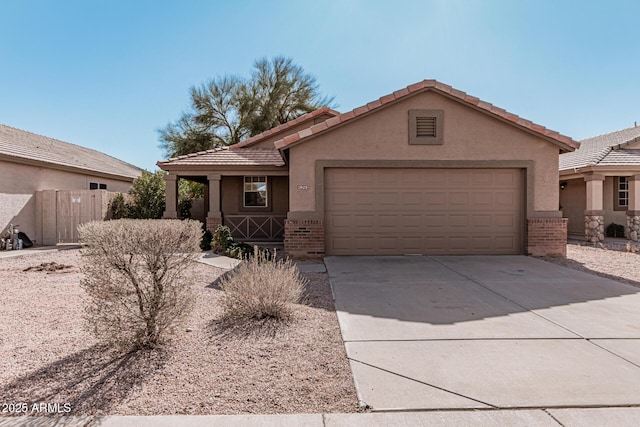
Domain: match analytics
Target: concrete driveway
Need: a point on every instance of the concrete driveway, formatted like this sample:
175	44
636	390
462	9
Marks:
468	332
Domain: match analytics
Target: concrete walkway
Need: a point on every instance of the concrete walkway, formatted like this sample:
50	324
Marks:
601	417
36	250
486	332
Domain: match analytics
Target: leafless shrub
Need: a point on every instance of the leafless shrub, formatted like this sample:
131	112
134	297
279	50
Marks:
137	279
261	288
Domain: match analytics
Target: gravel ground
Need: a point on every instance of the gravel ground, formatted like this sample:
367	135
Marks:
47	357
616	265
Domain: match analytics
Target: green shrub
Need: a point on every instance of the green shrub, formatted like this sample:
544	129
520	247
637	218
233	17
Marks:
205	243
224	244
222	240
184	209
148	194
118	207
136	275
614	230
262	288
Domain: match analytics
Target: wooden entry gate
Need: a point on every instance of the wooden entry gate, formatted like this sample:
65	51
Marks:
60	212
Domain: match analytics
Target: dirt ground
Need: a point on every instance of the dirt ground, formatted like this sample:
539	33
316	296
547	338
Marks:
47	357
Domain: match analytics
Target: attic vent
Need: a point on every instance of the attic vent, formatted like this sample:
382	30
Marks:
426	127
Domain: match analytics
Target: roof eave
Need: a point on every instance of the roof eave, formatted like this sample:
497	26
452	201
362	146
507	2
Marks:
270	133
67	168
568	146
212	167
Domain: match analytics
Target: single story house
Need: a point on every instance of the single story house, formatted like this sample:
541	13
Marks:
31	163
600	185
427	169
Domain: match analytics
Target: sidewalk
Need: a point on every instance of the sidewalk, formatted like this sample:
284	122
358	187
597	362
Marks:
37	250
619	417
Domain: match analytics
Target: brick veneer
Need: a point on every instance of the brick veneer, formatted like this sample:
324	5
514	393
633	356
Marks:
213	222
304	238
547	237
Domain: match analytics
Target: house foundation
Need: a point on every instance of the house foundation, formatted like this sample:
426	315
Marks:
547	237
632	231
304	238
594	227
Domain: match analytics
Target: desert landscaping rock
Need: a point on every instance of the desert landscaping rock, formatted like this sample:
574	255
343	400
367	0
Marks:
47	356
616	265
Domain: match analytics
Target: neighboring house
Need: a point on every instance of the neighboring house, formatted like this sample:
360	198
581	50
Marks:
30	163
427	169
600	185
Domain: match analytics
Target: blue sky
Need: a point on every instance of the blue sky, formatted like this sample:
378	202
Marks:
107	74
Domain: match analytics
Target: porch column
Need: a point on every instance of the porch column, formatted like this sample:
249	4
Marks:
633	213
594	213
171	206
214	216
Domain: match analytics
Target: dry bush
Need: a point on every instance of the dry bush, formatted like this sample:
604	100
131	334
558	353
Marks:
136	274
261	288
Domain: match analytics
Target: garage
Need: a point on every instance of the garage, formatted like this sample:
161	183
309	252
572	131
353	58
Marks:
427	169
397	211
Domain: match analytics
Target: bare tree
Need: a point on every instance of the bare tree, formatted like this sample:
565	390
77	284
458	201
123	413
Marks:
136	277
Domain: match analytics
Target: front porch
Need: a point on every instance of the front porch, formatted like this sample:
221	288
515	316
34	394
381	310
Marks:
254	207
594	200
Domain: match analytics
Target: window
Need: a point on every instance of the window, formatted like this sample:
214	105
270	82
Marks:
621	194
255	191
97	186
426	127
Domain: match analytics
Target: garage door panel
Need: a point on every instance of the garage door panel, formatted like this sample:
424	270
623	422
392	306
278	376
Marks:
458	220
481	178
365	199
339	221
505	221
385	198
458	199
434	221
458	178
481	221
435	199
505	243
339	198
506	178
430	211
413	178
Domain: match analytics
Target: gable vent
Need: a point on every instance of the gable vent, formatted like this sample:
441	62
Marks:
426	127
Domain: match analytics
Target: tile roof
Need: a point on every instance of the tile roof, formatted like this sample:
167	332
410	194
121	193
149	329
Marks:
603	150
565	142
228	156
26	145
283	127
621	158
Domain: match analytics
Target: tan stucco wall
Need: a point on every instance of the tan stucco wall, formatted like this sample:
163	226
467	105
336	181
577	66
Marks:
469	135
574	198
19	182
231	196
268	142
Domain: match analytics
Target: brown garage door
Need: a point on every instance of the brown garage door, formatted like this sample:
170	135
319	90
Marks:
423	211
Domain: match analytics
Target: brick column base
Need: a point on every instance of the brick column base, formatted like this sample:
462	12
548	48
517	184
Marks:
213	222
633	227
547	237
304	238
